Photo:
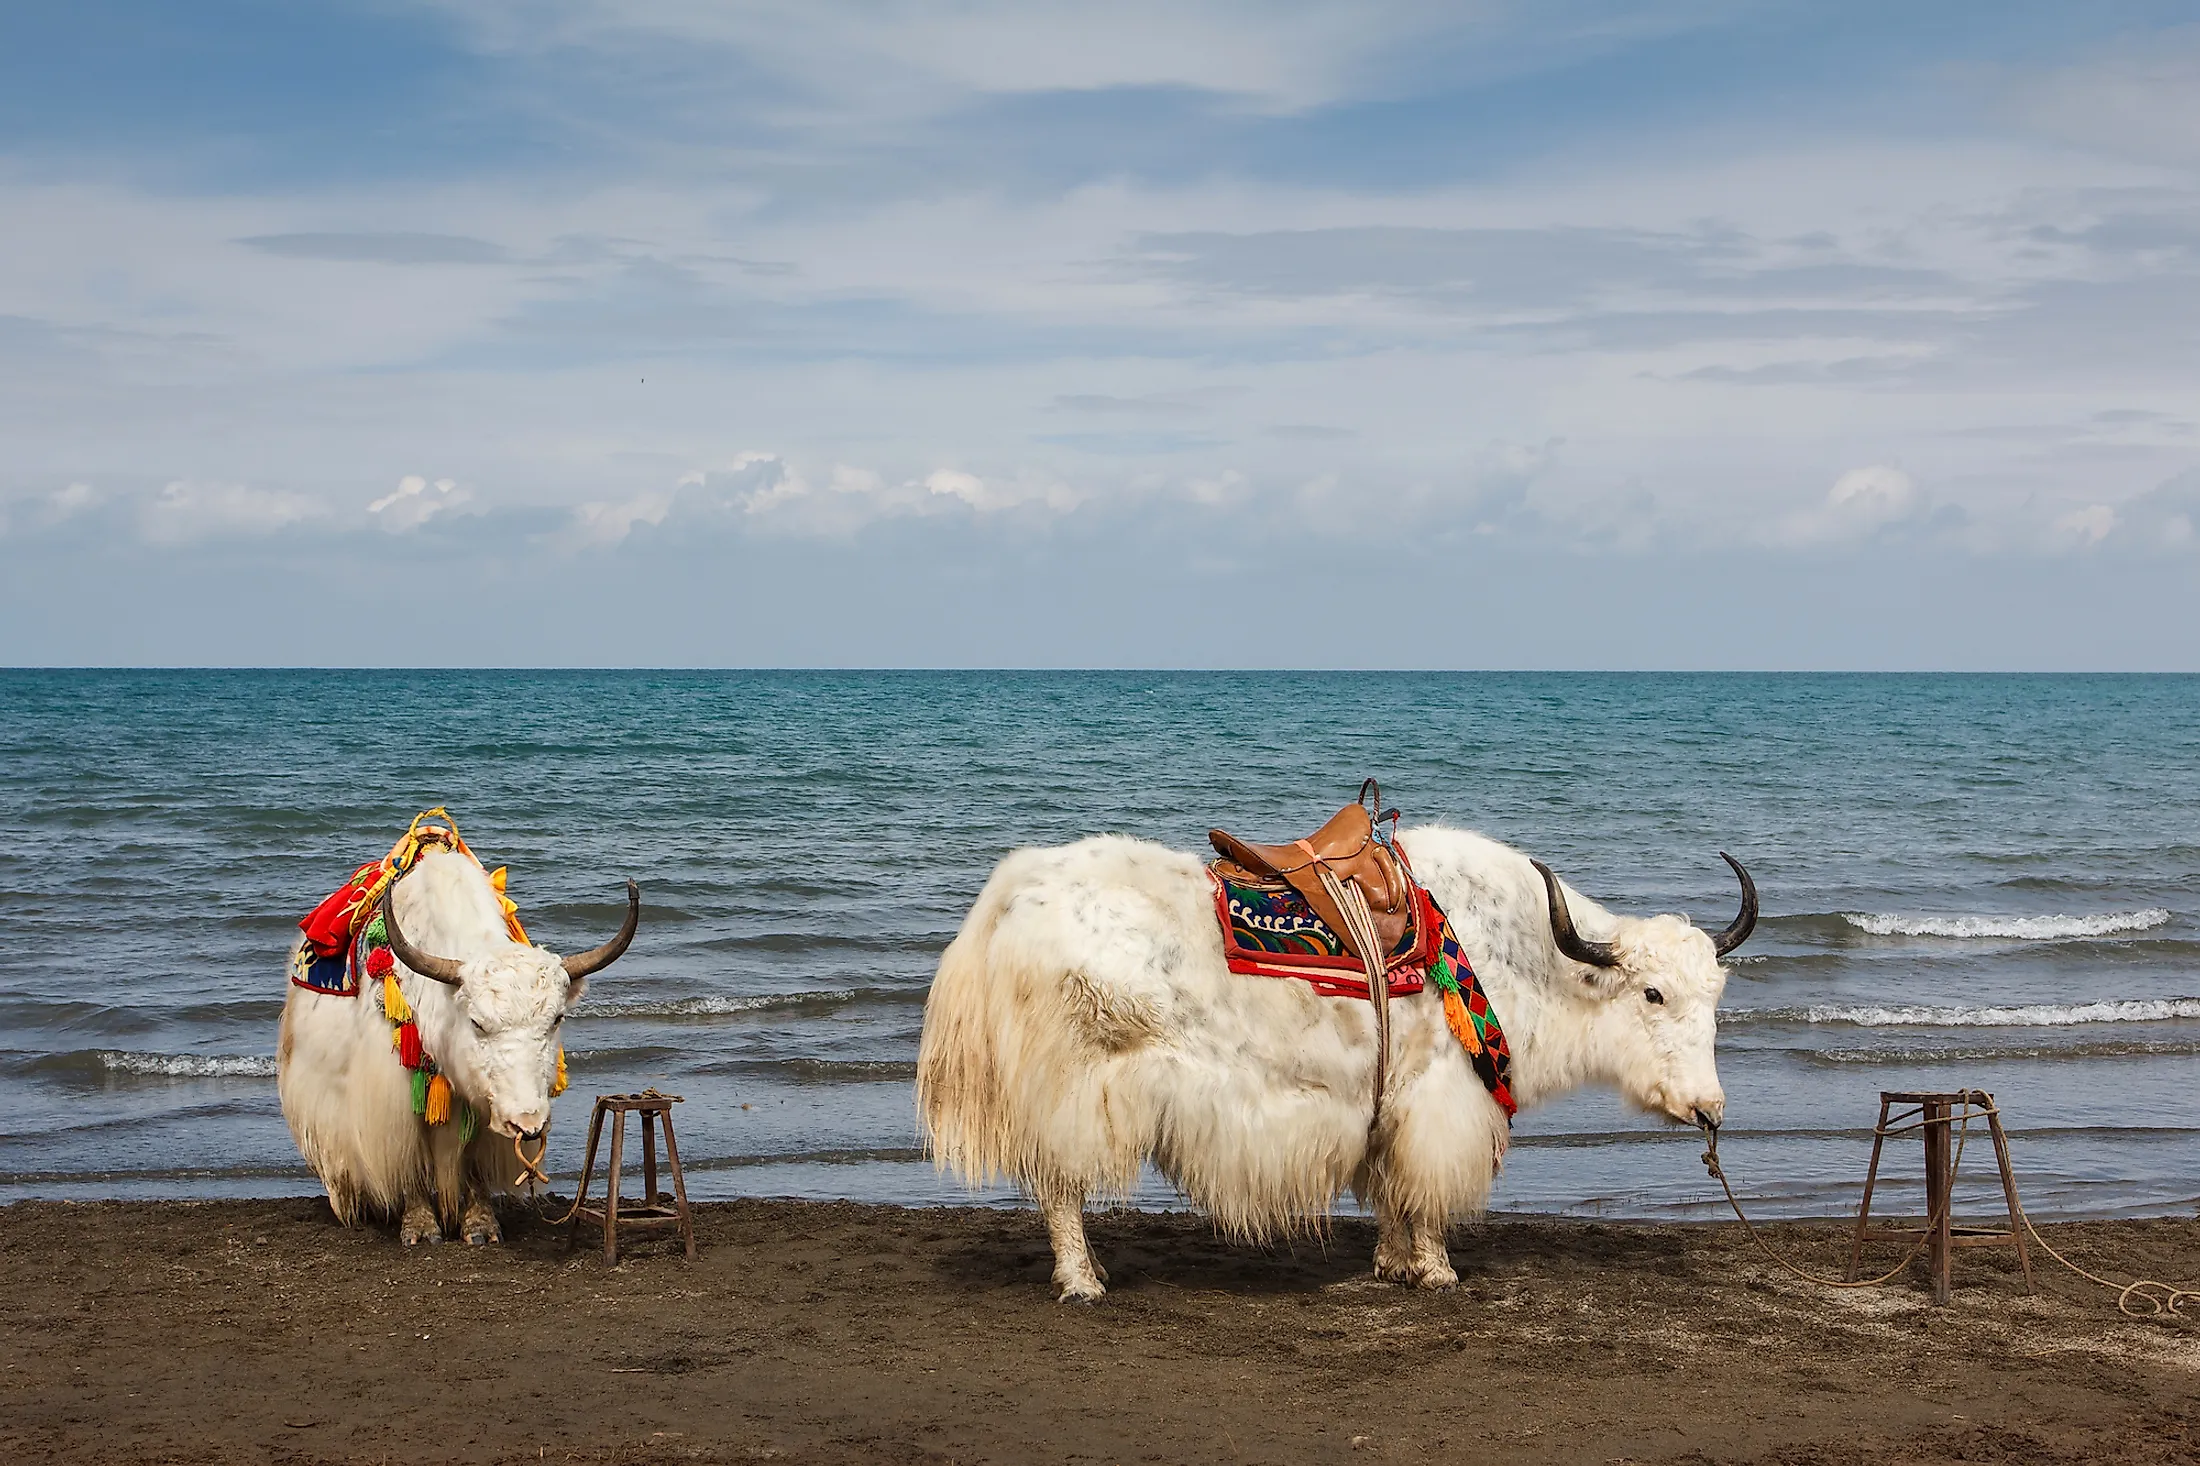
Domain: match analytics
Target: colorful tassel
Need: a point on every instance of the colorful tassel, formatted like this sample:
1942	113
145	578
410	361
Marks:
408	1045
1456	1019
469	1124
377	934
557	1085
394	1006
379	962
438	1106
420	1091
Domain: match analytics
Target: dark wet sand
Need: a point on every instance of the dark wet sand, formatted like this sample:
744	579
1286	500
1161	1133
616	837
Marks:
262	1332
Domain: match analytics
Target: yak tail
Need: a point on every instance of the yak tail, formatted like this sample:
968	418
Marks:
962	1097
1027	1066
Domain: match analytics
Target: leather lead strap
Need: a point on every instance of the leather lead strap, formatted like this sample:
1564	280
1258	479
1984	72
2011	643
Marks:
1361	924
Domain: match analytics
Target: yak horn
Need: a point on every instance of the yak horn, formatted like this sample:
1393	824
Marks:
1571	942
581	964
1744	924
442	969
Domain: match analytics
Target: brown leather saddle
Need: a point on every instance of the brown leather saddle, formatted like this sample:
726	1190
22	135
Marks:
1355	883
1347	846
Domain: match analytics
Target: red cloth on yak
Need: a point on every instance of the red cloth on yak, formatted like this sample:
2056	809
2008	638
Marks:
328	925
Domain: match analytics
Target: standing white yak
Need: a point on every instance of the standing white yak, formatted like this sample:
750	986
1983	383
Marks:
1084	1021
488	1010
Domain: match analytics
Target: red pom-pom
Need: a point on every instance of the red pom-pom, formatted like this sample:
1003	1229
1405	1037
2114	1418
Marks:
379	962
408	1045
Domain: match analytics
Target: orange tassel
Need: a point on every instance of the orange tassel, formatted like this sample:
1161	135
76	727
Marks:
557	1086
439	1101
1461	1026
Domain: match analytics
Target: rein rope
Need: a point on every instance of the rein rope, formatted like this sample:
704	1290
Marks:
2160	1299
530	1170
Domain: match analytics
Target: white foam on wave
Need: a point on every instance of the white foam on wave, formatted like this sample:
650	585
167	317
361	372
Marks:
708	1006
2029	928
2033	1015
191	1066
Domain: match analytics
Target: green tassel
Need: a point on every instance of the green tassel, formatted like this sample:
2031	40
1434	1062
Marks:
377	934
468	1123
420	1091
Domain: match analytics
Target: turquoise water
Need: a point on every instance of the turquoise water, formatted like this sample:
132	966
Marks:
1990	882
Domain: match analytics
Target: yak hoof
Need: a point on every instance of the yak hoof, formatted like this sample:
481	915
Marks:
414	1239
1434	1278
483	1233
1086	1291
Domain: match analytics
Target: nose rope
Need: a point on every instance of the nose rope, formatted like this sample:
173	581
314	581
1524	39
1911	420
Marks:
530	1171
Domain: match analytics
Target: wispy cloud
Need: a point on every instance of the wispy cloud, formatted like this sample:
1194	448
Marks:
530	280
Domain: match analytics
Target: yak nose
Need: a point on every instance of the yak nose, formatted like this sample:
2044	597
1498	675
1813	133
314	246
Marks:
1710	1113
528	1126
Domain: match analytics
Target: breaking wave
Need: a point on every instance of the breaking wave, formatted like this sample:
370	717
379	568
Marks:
1989	1053
2029	928
189	1066
2031	1015
721	1005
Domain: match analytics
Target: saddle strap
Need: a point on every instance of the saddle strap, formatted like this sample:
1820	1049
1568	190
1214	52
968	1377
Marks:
1360	926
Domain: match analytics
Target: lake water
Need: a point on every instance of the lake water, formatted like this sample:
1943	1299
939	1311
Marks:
1988	882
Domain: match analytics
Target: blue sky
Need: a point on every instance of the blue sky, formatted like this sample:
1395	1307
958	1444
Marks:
1683	335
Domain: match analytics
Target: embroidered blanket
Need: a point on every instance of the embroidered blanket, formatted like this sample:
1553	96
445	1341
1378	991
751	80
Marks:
1269	930
335	952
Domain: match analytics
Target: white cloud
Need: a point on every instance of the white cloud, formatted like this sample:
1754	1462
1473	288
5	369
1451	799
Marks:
1874	495
67	503
606	522
415	501
188	510
2091	524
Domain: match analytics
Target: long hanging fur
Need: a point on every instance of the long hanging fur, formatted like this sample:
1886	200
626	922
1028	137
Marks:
1083	1022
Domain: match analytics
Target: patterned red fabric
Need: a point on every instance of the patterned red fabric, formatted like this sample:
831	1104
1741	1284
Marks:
1332	977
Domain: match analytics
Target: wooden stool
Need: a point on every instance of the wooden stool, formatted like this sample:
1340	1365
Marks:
656	1210
1936	1115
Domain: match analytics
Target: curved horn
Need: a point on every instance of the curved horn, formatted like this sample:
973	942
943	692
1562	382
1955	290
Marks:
1744	924
442	969
596	958
1571	942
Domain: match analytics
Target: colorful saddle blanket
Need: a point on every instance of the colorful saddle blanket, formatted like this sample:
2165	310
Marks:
1269	930
344	932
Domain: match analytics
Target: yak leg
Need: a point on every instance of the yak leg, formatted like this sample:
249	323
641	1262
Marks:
419	1224
480	1222
1077	1278
1409	1247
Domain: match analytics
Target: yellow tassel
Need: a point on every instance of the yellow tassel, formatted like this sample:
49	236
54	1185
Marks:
1456	1019
439	1101
394	1005
557	1086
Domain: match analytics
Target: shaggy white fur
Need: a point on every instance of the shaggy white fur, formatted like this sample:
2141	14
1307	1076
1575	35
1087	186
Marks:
495	1036
1084	1021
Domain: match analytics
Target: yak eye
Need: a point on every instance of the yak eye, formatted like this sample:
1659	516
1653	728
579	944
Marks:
479	1027
1652	995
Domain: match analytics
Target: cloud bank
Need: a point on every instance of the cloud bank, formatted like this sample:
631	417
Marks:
1163	299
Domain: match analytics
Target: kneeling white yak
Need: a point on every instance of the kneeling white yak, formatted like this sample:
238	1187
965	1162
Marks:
1084	1021
488	1009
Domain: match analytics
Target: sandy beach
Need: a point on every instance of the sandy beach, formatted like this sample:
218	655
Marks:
262	1332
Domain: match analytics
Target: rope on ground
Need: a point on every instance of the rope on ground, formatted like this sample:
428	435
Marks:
1932	1223
2161	1300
